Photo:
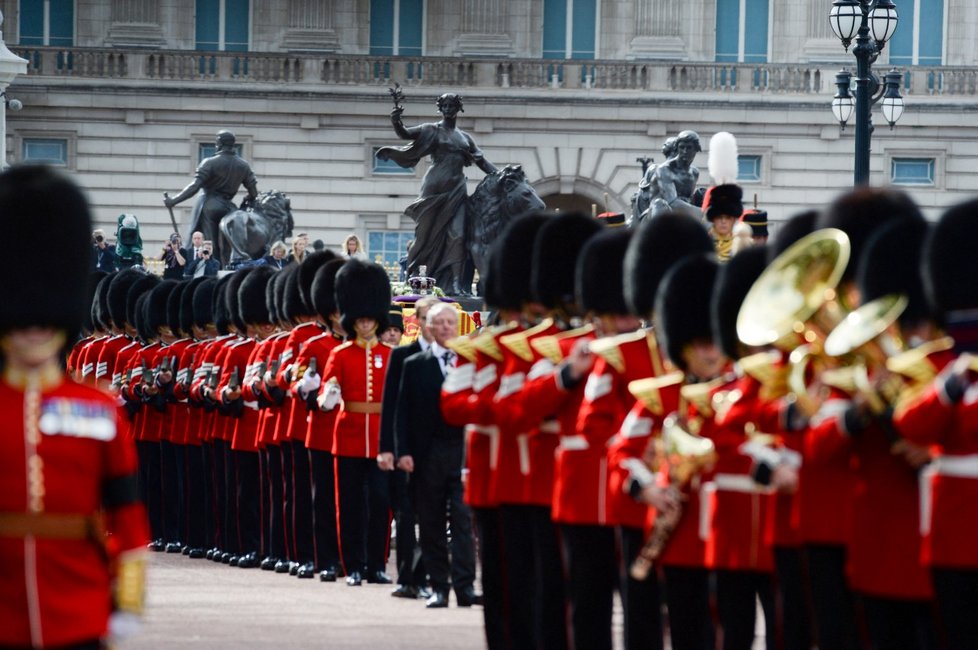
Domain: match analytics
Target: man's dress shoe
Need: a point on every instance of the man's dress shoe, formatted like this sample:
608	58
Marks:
379	578
405	591
307	570
195	553
268	564
468	597
328	574
249	561
354	579
282	566
438	599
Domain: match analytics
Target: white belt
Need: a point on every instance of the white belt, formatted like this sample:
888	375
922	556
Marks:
486	430
573	443
523	443
252	405
724	483
550	426
956	466
492	431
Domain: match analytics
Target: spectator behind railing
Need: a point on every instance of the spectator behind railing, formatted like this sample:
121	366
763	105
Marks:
299	243
174	258
276	257
353	248
103	253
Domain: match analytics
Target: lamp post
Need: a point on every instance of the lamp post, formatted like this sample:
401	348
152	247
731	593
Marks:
871	23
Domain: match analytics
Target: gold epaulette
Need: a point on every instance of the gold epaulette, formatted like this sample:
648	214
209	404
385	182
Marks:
700	395
647	391
608	348
549	346
463	346
519	342
914	363
764	367
486	341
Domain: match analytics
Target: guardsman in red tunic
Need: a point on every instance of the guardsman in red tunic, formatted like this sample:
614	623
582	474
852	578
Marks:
945	413
354	373
72	529
313	355
610	411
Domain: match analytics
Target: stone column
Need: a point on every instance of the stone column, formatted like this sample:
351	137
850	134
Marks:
11	65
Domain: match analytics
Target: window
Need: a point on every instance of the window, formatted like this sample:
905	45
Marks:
222	25
742	31
53	151
47	22
749	168
570	29
396	27
912	171
919	38
387	166
208	149
389	245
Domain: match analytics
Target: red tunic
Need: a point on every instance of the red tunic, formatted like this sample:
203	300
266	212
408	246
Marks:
243	425
319	424
294	413
359	368
89	360
186	367
56	592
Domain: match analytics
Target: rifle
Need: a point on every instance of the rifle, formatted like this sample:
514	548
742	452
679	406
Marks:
234	383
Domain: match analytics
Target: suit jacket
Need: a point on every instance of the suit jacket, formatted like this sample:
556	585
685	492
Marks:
418	421
391	385
211	267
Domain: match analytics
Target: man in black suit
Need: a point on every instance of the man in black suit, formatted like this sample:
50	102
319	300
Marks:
411	578
432	452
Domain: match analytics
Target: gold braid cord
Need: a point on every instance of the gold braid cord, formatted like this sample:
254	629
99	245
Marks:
130	582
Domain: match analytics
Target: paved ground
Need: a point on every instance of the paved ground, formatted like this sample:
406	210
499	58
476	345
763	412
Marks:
200	604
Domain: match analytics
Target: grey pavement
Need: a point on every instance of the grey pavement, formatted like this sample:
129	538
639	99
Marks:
200	604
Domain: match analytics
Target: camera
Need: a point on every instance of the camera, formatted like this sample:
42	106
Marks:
99	239
205	253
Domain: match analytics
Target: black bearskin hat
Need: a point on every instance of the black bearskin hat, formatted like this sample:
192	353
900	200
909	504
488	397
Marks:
252	309
363	290
891	263
117	292
659	243
682	305
91	322
138	288
512	261
490	288
757	220
173	304
555	252
100	305
723	199
324	288
598	277
273	297
36	199
155	310
395	317
187	305
142	318
862	212
291	307
307	273
232	298
951	261
219	307
734	280
203	302
791	231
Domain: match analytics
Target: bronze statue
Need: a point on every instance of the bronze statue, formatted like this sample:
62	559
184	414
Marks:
220	176
250	233
671	186
439	212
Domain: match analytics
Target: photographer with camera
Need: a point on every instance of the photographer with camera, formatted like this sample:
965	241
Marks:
103	253
174	258
205	265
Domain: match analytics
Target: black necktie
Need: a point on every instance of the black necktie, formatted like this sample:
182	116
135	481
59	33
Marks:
447	359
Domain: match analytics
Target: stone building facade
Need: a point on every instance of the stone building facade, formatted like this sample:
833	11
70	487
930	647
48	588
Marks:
128	94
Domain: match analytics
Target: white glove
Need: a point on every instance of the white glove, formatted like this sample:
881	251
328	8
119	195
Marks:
123	625
331	396
308	383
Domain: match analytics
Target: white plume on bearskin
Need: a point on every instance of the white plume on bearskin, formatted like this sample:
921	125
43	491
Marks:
722	161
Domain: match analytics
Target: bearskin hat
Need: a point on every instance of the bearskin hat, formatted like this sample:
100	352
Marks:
363	290
202	302
734	280
723	199
757	220
291	307
173	303
222	319
555	252
273	295
862	212
324	288
490	288
117	292
138	288
37	199
682	305
252	309
91	322
100	305
659	243
611	219
307	273
951	262
155	310
232	298
513	261
598	276
187	305
142	318
791	231
891	263
395	317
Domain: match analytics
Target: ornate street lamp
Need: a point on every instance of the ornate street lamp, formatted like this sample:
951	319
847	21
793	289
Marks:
870	23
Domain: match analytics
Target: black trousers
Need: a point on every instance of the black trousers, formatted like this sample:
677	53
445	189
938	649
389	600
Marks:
301	514
150	485
535	587
436	486
273	519
410	566
895	624
172	497
490	552
363	498
207	475
688	600
736	606
792	599
229	507
195	501
639	598
832	602
327	549
592	573
247	501
288	498
956	592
